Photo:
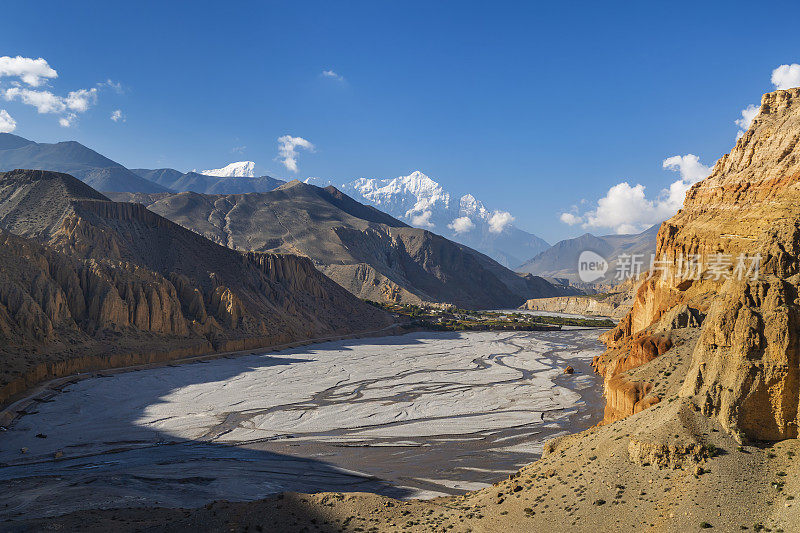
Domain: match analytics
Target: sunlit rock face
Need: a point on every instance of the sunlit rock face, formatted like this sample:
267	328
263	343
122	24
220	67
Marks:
746	365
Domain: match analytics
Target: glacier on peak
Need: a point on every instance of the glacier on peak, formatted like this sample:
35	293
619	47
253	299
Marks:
412	195
239	169
422	202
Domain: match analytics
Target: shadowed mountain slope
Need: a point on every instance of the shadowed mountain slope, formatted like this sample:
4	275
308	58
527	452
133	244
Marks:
366	251
87	283
193	181
75	159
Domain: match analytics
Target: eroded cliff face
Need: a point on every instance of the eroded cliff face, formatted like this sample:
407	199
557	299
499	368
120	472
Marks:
93	283
745	368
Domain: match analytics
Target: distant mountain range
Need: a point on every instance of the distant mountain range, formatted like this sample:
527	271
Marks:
561	260
177	181
422	202
103	174
415	200
370	253
72	158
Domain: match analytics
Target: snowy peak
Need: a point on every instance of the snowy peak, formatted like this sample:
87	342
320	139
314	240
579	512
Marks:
410	195
422	202
240	169
470	206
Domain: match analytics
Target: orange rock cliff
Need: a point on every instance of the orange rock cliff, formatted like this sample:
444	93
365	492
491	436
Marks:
745	366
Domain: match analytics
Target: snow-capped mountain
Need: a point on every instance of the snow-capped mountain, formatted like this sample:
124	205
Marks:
240	169
413	198
422	202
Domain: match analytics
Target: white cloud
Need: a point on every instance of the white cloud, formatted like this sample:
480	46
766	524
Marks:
422	220
461	225
46	102
571	219
622	208
748	114
287	150
30	71
786	76
80	100
691	171
499	220
626	209
117	116
35	72
43	101
114	85
238	149
7	123
689	166
68	120
332	75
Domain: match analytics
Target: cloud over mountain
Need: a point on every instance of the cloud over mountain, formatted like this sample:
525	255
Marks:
783	77
461	225
786	76
34	73
287	150
626	209
499	220
7	123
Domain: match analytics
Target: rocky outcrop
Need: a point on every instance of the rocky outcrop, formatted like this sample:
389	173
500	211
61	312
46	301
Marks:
745	369
671	455
616	303
91	283
626	396
575	305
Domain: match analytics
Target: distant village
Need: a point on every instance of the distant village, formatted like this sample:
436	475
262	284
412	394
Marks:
450	318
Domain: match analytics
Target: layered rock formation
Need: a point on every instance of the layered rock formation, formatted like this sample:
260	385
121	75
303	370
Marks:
366	251
615	304
89	283
745	368
574	305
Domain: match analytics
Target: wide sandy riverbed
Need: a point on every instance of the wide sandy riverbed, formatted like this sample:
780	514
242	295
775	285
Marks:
416	415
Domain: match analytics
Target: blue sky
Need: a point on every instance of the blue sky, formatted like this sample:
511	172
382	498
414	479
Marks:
532	107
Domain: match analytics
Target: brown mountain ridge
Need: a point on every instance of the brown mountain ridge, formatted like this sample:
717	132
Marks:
366	251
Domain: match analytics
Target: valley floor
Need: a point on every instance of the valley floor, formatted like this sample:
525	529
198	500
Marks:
420	415
637	474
